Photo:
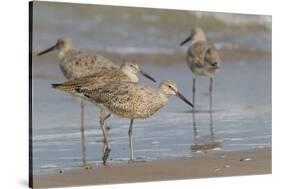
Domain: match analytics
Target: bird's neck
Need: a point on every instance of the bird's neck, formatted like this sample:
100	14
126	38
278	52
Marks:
198	39
161	90
62	53
133	77
163	98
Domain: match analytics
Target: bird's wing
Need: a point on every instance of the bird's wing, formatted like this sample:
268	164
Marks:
202	53
83	64
212	57
98	79
196	53
115	91
121	98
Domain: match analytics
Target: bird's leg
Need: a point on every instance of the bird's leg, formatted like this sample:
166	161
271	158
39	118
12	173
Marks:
106	126
211	108
210	94
82	130
106	132
193	94
194	124
211	125
103	116
130	140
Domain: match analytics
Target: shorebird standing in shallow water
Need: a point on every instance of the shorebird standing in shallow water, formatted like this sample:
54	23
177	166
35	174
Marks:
76	64
127	72
202	58
132	100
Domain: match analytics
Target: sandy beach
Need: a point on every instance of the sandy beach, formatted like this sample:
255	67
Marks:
220	164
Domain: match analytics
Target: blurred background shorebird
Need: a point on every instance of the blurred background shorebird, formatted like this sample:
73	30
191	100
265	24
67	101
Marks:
202	58
76	64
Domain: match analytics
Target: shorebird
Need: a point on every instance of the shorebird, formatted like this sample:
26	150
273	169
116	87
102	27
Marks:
127	72
132	100
75	64
202	58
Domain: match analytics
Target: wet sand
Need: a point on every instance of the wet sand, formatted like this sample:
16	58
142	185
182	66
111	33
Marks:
220	164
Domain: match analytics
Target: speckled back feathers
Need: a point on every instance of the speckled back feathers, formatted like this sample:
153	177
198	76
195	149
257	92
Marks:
127	99
76	64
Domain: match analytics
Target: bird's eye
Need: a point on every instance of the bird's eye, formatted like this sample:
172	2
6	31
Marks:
170	86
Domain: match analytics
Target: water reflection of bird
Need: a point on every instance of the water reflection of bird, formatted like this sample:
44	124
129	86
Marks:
202	58
127	72
205	143
132	100
76	64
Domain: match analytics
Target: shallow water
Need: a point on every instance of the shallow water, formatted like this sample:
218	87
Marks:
241	99
241	118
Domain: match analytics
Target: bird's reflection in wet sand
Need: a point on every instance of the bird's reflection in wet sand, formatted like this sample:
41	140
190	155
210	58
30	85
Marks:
205	143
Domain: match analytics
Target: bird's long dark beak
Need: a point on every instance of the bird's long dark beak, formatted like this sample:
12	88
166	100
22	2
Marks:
184	99
185	41
47	50
147	76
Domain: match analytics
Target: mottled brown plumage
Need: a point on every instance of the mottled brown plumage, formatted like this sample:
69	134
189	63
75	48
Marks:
202	58
127	99
75	63
96	80
127	72
131	100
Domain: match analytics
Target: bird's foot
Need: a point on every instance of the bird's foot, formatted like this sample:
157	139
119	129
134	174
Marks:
106	155
131	161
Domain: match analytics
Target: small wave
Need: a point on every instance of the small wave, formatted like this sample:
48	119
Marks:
153	150
64	135
48	166
155	142
140	50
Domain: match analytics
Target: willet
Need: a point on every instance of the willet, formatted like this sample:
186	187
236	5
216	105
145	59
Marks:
76	64
132	100
202	58
127	72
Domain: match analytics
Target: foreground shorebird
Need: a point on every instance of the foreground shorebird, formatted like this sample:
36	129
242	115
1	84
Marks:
76	64
127	72
132	100
202	58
